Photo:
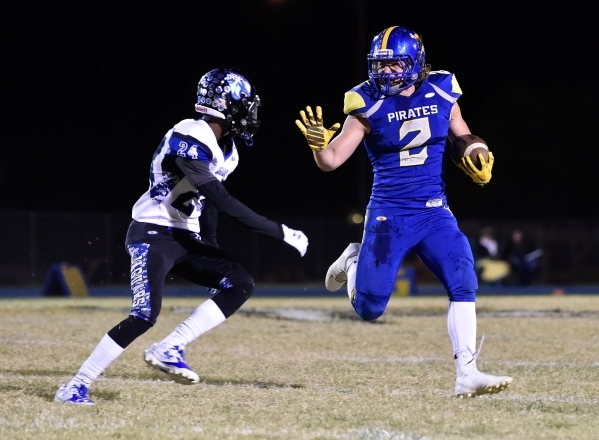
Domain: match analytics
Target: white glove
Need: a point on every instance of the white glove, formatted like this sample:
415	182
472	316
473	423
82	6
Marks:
297	239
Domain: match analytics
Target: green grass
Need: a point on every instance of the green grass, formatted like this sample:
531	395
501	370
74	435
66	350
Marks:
293	368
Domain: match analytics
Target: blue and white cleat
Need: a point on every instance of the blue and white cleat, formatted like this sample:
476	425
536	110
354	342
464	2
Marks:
75	394
171	360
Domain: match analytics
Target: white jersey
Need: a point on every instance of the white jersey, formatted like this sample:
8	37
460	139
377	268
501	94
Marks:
171	199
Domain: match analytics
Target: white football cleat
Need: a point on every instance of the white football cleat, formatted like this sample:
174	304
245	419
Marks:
73	393
337	275
476	383
471	383
171	360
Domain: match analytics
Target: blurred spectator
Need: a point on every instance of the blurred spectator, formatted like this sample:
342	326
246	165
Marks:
489	267
523	257
487	244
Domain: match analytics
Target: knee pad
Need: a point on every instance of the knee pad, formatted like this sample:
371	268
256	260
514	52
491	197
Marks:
368	309
465	291
237	278
463	287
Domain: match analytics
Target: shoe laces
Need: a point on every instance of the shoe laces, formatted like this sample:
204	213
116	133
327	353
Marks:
172	352
78	392
480	347
81	390
180	350
475	354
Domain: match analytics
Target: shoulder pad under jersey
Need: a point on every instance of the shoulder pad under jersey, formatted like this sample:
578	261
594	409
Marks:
359	100
193	139
195	128
445	84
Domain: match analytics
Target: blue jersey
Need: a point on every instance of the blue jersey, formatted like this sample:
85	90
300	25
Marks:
407	140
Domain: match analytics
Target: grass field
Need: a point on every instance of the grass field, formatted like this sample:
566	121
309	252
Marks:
306	369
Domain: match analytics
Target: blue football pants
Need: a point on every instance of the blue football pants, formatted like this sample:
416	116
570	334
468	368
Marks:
432	234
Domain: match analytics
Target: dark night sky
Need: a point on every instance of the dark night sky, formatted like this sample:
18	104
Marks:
90	88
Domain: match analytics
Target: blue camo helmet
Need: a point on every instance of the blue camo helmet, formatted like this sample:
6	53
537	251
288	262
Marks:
398	44
227	94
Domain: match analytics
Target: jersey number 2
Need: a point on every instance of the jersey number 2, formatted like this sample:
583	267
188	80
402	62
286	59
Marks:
423	128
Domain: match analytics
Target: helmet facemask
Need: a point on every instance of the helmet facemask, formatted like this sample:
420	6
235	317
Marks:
242	118
389	81
400	47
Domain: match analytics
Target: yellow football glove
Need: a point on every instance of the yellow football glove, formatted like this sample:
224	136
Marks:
318	136
481	176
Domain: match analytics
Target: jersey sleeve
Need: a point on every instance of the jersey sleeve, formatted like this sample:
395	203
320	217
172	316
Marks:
361	101
446	84
354	102
189	147
198	172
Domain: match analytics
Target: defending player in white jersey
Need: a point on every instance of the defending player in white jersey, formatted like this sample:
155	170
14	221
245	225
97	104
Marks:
174	231
404	114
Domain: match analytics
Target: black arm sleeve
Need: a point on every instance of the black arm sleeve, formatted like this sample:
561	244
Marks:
208	223
216	195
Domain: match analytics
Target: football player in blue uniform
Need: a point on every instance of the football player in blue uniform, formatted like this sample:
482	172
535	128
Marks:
174	231
404	114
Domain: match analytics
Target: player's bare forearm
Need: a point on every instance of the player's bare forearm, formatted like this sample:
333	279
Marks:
342	146
457	125
325	159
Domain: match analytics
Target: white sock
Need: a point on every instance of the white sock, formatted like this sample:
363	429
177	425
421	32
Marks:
351	269
461	324
102	356
204	318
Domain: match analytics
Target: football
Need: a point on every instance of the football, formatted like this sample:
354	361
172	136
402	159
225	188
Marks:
468	145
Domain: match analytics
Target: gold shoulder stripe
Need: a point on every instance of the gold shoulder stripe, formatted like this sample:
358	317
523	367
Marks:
455	87
353	101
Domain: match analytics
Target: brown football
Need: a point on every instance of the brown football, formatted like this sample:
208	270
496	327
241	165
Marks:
468	145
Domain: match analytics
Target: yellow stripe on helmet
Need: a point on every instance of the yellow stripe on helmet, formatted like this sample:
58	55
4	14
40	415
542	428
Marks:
386	37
